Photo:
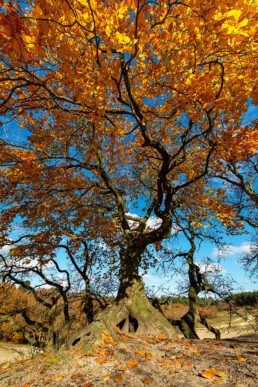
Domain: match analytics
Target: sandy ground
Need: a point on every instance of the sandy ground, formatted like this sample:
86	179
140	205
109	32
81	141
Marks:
134	362
10	352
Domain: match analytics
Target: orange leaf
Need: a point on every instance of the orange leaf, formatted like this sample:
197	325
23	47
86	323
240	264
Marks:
88	384
173	372
147	357
147	381
117	378
133	363
76	376
219	381
29	383
208	374
101	360
221	374
47	381
43	369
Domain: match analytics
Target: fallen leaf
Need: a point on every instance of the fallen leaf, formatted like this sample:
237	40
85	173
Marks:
88	384
76	376
208	374
221	374
147	356
6	365
173	372
51	359
78	356
117	378
106	377
186	365
219	381
197	353
80	348
47	381
132	363
240	358
43	369
147	381
101	360
57	378
29	383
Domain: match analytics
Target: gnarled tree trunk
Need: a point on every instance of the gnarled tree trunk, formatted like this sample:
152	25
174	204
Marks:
131	311
197	283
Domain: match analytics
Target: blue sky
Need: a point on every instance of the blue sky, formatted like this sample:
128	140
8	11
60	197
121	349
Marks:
230	265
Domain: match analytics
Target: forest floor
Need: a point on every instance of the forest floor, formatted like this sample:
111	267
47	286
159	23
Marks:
134	361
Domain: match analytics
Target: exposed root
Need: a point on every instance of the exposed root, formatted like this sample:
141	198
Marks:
132	314
187	326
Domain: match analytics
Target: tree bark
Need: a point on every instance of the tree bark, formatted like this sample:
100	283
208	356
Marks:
131	312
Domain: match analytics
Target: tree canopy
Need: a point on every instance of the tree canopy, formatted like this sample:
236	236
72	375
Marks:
123	104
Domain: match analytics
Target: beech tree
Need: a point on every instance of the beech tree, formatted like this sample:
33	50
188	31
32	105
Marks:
123	103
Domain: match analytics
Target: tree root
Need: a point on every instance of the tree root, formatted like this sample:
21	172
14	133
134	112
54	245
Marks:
187	326
132	314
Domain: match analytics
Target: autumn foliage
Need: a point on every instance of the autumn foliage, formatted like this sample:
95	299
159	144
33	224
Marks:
127	112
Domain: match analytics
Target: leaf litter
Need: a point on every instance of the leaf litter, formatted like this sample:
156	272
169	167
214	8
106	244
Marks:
139	361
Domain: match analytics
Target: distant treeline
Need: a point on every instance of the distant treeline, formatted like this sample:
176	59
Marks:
239	299
245	298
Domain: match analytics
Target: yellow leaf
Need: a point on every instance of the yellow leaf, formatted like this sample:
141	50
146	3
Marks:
58	378
219	381
234	13
106	377
51	359
108	30
6	365
240	358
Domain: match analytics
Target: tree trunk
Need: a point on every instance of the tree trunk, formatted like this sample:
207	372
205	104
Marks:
198	282
131	312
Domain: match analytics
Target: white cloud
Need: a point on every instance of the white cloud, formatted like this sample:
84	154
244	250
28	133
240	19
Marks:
146	276
102	245
5	249
211	268
245	282
228	250
154	222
